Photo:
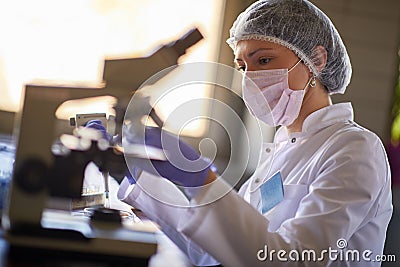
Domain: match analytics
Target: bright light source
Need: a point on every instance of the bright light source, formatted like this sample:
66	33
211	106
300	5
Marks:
101	104
69	40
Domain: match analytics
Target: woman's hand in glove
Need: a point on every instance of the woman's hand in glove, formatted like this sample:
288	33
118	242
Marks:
184	166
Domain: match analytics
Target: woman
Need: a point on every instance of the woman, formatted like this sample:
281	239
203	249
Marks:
325	197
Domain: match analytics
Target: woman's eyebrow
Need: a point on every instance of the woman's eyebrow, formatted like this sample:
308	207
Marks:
252	53
258	50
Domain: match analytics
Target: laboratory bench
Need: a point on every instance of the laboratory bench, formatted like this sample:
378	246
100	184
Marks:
10	256
28	257
16	256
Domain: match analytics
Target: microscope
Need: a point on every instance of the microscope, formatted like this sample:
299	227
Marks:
43	169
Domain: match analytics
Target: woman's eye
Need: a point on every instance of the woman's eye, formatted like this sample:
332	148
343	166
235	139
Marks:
264	61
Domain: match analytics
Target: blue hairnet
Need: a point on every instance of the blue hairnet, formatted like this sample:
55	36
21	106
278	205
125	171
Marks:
301	27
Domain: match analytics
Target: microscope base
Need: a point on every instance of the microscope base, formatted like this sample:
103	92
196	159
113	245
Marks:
78	239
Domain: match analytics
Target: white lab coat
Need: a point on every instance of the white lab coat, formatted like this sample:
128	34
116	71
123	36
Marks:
336	182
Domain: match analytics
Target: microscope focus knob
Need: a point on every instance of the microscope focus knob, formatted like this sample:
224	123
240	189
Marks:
31	175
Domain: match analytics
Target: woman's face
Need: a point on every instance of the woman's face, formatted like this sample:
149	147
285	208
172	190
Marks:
251	55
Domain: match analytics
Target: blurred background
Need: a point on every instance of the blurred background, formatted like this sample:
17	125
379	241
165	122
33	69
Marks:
66	42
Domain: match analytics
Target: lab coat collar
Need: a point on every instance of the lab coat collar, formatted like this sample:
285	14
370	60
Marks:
318	120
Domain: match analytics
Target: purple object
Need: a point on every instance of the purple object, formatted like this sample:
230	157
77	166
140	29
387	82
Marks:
97	125
184	166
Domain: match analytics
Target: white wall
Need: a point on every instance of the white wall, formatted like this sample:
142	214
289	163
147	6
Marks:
370	30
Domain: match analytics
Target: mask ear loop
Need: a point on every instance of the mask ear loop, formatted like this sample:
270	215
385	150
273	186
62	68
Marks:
312	82
297	63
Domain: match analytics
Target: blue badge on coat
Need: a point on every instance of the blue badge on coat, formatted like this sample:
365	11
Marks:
271	192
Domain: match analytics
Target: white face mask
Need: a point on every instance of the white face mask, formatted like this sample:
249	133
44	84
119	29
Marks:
268	97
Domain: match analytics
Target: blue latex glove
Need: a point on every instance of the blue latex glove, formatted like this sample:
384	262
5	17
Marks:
184	165
97	125
123	171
